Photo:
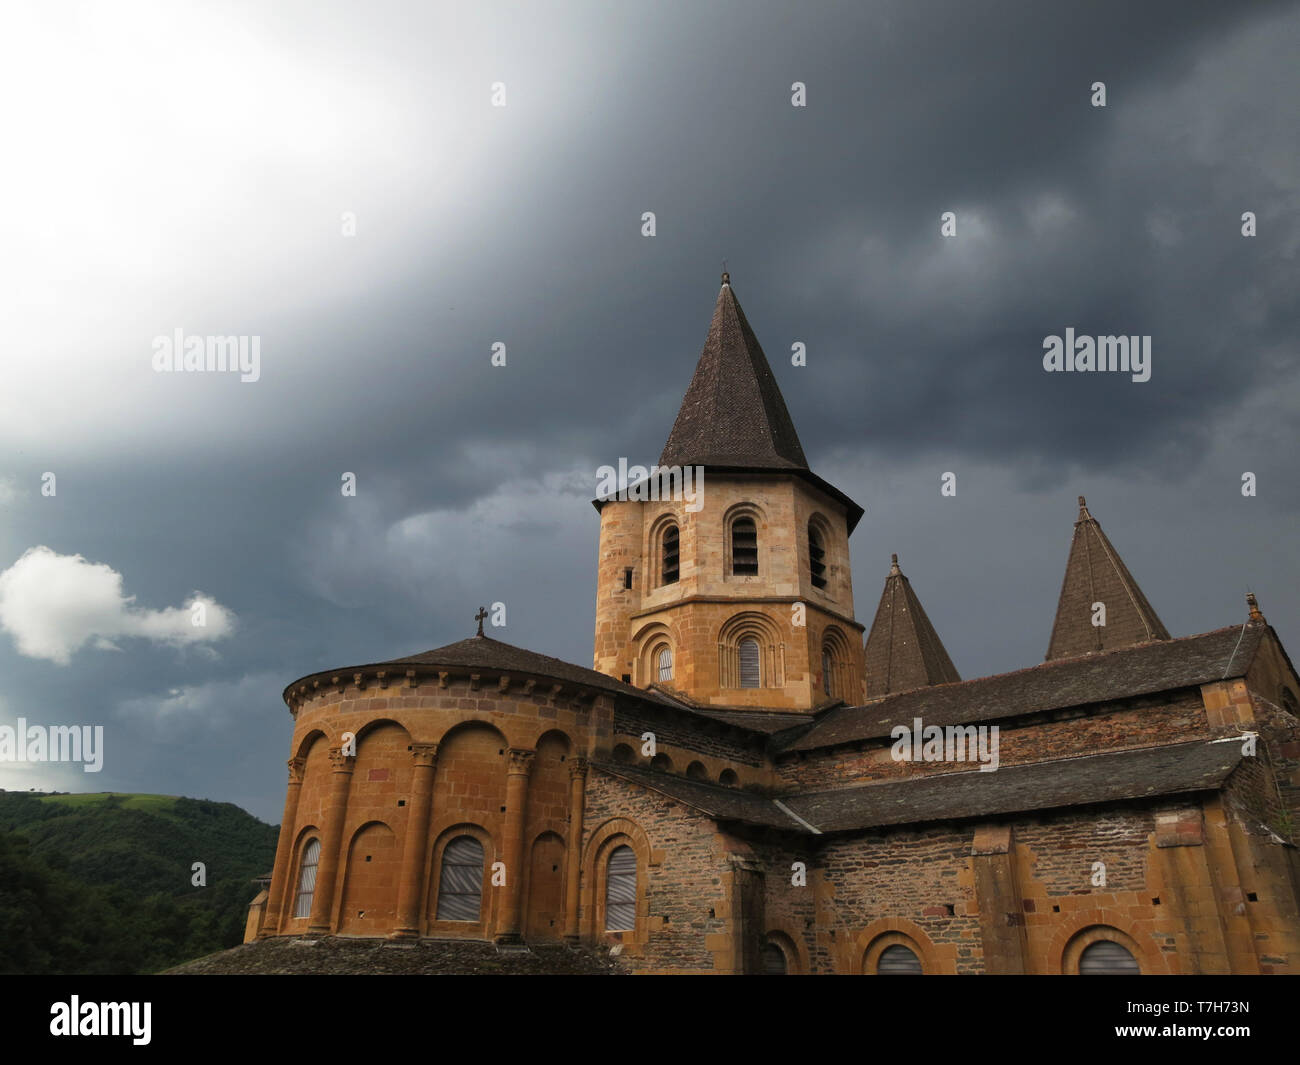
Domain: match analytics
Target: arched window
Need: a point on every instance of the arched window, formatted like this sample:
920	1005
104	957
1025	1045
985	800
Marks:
898	960
728	779
750	676
460	886
620	891
827	672
773	960
671	554
664	661
1105	957
696	771
744	547
816	556
307	879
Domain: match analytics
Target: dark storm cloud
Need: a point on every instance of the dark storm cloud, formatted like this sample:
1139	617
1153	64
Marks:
924	353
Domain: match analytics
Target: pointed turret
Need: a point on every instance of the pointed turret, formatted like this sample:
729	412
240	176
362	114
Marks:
733	414
1099	587
903	650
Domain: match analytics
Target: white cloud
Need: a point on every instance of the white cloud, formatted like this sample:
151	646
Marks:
53	604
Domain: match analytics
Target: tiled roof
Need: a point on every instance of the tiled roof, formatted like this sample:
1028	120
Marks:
903	650
724	804
1135	774
1096	574
1059	783
483	652
733	413
1130	671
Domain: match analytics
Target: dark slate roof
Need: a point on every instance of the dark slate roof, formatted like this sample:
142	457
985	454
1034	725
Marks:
1096	574
483	652
1128	672
1135	774
903	650
733	413
724	804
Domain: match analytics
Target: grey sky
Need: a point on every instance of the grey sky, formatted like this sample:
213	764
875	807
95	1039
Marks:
187	166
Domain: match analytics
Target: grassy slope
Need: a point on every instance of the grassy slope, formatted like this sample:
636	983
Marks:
103	882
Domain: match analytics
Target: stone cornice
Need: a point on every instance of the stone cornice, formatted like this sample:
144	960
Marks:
742	601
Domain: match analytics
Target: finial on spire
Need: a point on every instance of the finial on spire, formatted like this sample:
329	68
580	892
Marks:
1083	509
726	277
482	613
894	571
1253	603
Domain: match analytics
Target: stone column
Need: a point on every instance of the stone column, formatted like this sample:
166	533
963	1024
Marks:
336	807
409	891
573	871
520	765
281	872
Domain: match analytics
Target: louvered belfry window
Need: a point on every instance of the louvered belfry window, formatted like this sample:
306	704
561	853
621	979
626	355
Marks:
460	887
1107	958
307	879
620	891
672	552
749	671
816	557
744	547
898	961
665	663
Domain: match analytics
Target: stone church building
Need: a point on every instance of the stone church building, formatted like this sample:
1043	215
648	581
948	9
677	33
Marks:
751	780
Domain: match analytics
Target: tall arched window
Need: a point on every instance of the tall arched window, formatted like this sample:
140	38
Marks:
460	887
671	555
750	676
816	556
664	663
828	671
898	960
620	890
744	547
307	879
1105	957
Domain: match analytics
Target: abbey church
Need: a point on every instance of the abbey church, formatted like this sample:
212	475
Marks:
751	780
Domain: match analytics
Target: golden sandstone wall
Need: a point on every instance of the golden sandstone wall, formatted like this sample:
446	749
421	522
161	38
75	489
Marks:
435	757
1196	884
710	604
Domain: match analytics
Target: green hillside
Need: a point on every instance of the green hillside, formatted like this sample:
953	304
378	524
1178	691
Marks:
102	883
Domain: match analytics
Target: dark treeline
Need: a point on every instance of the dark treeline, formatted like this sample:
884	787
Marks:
96	887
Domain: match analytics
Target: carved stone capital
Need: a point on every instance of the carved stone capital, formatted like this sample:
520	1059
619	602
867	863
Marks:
578	768
341	762
297	766
425	754
521	761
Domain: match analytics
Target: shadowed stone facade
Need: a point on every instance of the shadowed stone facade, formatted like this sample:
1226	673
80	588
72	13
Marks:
724	791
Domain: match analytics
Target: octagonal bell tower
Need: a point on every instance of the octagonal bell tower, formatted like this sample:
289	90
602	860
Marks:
737	592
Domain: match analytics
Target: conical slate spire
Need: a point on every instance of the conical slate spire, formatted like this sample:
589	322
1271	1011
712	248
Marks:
903	650
733	413
1095	574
